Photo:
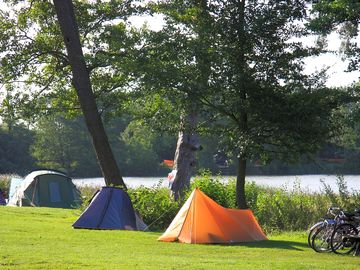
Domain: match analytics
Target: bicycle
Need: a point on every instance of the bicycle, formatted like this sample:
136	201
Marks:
320	233
344	238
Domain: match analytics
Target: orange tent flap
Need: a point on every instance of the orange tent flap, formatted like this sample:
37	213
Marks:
173	231
169	163
202	220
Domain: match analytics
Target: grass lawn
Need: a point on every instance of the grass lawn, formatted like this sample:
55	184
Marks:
42	238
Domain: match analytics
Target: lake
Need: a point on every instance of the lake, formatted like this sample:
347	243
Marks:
310	183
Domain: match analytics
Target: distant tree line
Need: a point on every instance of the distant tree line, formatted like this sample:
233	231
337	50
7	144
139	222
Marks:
64	144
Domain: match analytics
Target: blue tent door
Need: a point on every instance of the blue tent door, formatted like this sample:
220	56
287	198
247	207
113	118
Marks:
54	192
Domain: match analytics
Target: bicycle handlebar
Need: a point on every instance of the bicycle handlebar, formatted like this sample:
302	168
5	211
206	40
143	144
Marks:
332	209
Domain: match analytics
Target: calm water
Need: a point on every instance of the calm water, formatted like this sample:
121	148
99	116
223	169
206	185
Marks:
307	182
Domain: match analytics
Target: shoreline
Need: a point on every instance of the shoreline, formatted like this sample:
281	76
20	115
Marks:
312	183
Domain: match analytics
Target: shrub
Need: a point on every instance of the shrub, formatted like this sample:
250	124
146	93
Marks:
155	206
343	198
276	209
220	191
87	192
283	210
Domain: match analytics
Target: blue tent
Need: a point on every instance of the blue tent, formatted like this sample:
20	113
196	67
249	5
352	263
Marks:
110	209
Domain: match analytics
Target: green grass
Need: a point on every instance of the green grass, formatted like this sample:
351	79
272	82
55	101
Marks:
42	238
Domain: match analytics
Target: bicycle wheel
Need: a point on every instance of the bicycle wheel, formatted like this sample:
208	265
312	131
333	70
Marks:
339	243
312	232
321	240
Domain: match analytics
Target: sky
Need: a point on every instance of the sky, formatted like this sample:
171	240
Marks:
337	75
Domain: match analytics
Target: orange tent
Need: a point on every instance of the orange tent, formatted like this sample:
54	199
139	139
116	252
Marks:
202	220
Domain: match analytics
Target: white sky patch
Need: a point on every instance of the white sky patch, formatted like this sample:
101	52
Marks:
337	75
155	22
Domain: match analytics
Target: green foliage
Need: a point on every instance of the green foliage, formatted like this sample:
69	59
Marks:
344	198
238	61
276	209
5	180
34	66
279	209
14	149
223	193
60	143
87	193
240	72
63	144
342	16
139	150
155	206
171	66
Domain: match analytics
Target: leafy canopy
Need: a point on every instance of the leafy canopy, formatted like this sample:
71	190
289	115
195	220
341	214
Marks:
242	62
34	66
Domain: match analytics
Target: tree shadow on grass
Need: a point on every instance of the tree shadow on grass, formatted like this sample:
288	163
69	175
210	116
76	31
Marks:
278	244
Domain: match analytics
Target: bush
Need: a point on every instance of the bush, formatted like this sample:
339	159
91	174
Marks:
276	209
87	192
155	206
282	210
343	198
221	192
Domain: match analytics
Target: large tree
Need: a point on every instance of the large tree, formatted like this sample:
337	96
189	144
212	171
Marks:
188	138
269	108
82	84
173	66
40	73
261	103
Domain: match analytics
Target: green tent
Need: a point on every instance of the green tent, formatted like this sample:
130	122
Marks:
45	188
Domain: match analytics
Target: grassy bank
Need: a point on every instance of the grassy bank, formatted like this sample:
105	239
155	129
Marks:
42	238
277	209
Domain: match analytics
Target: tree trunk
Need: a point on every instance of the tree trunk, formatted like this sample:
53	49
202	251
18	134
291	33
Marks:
240	183
81	81
243	119
188	140
184	161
